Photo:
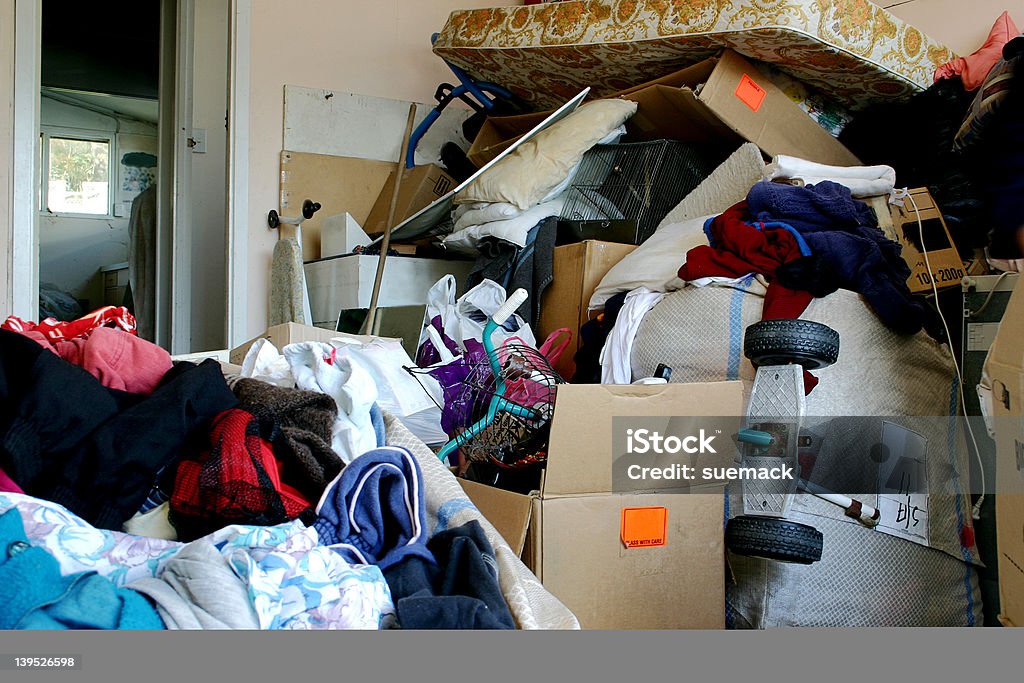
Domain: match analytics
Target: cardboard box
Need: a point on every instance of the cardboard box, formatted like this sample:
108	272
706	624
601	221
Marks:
498	133
340	234
946	267
723	99
1005	369
421	186
574	538
578	270
289	333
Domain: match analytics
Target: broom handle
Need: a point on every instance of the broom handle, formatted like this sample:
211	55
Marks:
371	314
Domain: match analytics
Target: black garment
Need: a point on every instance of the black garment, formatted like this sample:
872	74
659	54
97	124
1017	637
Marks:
1000	160
593	335
531	267
915	137
66	438
460	592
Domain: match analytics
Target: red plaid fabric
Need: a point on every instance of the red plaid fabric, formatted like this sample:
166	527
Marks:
238	481
54	330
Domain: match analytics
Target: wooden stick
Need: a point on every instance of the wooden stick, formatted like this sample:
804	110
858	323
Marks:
371	314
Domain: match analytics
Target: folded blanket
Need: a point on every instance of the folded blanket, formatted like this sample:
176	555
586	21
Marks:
863	181
514	230
484	212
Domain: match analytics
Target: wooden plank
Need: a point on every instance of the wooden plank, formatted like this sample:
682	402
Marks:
340	184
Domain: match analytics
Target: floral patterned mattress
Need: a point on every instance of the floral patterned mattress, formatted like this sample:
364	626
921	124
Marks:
852	50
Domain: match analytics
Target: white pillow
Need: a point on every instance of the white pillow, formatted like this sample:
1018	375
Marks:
535	168
512	230
654	263
484	213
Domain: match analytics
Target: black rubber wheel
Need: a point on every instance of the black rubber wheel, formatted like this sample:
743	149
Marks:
773	539
781	342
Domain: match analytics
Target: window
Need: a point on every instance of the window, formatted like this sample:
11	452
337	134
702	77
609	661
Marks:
77	175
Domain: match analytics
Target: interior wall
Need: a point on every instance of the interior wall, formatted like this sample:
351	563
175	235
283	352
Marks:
72	249
372	48
6	147
209	177
962	26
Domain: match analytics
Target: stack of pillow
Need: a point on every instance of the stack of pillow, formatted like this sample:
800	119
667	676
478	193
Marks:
527	186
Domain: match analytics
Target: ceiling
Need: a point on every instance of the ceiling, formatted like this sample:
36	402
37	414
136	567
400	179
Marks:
111	47
126	107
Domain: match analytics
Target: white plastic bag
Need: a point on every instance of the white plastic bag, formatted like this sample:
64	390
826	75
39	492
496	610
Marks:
318	367
264	362
464	319
413	402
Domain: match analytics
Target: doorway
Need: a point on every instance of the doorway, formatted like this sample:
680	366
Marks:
120	109
99	111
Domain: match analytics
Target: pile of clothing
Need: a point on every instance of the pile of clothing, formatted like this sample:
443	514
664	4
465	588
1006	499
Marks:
141	493
809	241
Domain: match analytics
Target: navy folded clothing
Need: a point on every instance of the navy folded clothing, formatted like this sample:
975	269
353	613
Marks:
461	591
374	512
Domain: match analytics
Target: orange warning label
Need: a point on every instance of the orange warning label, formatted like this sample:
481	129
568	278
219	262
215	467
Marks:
644	527
750	93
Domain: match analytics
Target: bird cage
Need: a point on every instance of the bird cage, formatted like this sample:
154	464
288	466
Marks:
621	192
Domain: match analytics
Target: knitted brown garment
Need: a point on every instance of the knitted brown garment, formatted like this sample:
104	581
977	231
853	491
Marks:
305	419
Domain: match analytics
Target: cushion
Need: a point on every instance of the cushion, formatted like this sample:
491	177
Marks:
975	67
654	263
993	93
535	168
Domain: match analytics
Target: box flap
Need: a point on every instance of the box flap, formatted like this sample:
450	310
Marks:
690	77
1007	353
676	114
509	512
1010	528
580	447
756	109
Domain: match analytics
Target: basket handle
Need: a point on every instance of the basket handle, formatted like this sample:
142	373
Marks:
506	310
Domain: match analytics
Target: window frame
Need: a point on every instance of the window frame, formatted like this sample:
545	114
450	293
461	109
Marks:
46	133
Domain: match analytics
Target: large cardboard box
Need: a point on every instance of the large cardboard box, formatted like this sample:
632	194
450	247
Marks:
578	270
723	99
575	541
1005	369
421	186
947	270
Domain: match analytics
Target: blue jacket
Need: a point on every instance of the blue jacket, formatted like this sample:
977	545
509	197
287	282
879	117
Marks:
849	249
374	512
34	595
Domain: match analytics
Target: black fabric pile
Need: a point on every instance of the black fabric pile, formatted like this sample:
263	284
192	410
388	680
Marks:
460	592
999	161
592	336
530	267
66	438
916	138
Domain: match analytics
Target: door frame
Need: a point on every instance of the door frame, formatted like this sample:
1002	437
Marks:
174	284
